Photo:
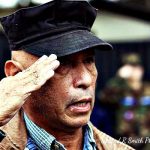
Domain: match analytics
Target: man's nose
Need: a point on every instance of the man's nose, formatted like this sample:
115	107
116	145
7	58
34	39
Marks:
82	77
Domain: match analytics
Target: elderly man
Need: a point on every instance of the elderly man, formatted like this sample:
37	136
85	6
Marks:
46	102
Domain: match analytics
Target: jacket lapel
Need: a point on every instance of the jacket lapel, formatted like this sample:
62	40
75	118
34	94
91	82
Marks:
105	142
16	136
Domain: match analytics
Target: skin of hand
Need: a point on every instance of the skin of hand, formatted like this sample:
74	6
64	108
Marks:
20	83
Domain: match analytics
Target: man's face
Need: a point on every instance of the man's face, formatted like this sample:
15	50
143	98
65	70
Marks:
67	99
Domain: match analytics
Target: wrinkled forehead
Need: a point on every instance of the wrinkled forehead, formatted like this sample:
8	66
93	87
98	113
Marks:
26	59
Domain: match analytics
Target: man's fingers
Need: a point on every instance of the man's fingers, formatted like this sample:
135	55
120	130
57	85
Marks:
37	85
48	72
39	80
41	59
36	68
47	61
52	57
52	66
39	73
44	60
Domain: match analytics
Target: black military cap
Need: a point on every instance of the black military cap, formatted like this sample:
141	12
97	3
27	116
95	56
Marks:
59	27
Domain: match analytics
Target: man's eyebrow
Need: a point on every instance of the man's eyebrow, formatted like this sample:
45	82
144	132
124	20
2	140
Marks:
90	54
64	58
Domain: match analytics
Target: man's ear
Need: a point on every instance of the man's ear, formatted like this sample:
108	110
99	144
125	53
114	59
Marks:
12	68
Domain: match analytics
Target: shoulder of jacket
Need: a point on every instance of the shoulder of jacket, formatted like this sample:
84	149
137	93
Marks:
13	131
108	142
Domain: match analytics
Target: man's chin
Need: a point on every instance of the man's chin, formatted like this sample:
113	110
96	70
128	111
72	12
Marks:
79	122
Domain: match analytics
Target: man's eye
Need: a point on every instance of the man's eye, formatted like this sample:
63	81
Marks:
64	67
64	61
90	60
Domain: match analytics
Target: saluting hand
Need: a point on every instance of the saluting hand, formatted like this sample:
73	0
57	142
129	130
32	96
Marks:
14	90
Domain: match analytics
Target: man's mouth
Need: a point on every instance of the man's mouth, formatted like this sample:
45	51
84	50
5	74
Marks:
81	106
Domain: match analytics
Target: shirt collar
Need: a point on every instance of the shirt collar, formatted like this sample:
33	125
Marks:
44	140
89	141
41	138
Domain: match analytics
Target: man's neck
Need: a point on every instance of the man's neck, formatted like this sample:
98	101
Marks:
72	140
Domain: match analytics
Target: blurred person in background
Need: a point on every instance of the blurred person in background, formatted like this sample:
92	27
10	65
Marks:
127	97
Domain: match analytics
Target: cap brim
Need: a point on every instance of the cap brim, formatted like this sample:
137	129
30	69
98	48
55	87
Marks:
67	43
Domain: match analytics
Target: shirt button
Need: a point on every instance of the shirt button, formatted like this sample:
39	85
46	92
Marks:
56	147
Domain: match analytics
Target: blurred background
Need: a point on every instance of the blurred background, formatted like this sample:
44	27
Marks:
122	107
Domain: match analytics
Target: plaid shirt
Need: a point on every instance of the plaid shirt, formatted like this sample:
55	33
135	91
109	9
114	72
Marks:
39	139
